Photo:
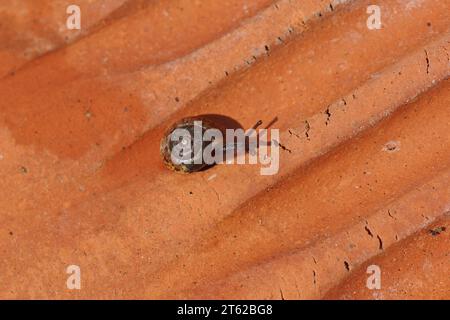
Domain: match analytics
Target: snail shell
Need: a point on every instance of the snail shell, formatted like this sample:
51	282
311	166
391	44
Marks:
186	165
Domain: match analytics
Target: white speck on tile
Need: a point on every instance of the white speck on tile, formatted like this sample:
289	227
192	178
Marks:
212	177
414	4
392	146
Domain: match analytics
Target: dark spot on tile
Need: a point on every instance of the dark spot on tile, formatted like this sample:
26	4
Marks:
437	231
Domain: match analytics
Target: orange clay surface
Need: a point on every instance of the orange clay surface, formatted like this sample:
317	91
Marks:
364	120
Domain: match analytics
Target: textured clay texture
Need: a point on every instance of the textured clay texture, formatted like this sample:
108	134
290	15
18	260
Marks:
363	181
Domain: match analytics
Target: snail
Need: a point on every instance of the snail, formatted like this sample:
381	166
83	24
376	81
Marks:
183	144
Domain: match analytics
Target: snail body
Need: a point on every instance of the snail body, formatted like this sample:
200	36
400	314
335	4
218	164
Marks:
183	144
191	162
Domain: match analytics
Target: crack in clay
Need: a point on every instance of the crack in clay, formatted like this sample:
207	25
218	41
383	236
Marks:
428	61
390	215
380	241
347	265
328	114
292	133
278	144
217	194
307	129
368	231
